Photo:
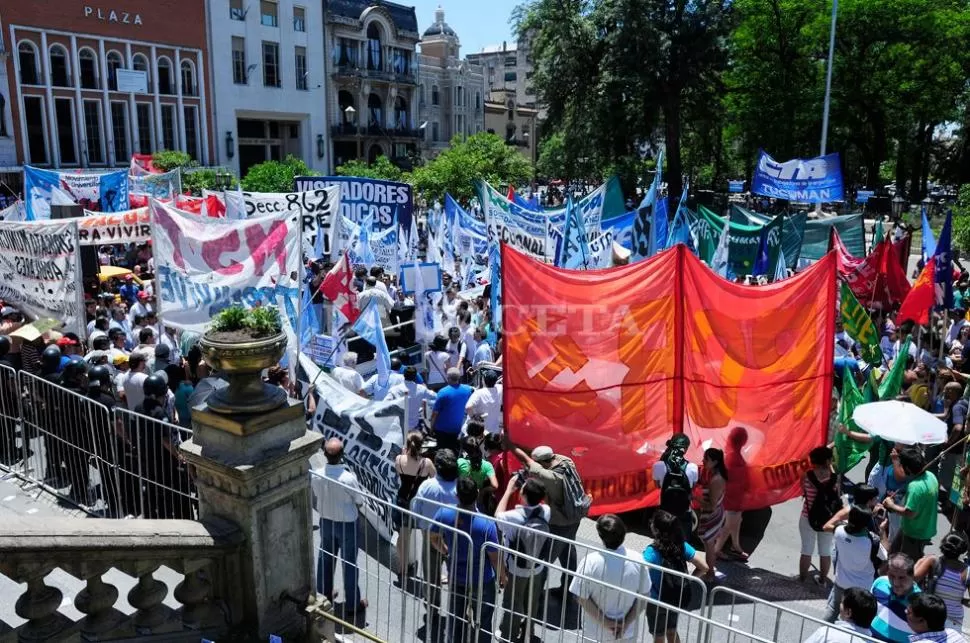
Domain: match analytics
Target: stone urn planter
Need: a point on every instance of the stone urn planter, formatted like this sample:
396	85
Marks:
240	353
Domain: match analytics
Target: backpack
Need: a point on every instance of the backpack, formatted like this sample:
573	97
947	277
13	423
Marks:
827	502
874	555
530	540
929	583
575	501
675	590
675	491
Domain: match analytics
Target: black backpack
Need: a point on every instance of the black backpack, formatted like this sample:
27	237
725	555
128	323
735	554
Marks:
531	541
675	491
675	590
827	502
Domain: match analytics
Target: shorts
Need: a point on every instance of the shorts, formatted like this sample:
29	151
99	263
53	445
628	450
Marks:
810	538
661	619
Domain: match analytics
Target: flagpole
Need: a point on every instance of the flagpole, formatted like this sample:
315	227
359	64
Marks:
336	345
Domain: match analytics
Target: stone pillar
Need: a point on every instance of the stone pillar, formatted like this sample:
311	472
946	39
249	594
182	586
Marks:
252	470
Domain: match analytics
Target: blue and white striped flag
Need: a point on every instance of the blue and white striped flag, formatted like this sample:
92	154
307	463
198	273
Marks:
368	326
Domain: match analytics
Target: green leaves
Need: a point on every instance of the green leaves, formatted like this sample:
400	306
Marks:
275	176
166	160
382	169
261	321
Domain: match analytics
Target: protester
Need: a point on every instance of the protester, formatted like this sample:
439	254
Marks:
521	598
157	448
417	395
440	490
467	571
373	388
611	614
859	557
448	412
926	616
436	360
503	462
819	489
710	522
918	524
893	593
676	477
347	374
734	491
412	469
133	381
670	551
856	613
474	466
947	576
338	505
485	403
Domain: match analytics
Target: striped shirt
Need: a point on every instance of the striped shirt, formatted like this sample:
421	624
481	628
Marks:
951	588
946	636
890	622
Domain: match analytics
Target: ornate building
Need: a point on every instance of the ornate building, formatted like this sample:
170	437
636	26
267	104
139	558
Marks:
372	80
451	91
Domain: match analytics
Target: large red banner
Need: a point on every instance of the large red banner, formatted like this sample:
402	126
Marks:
604	366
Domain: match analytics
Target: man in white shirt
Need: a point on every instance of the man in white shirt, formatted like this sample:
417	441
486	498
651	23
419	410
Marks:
609	614
132	383
338	504
141	307
168	338
417	395
347	375
376	296
676	493
375	391
485	404
858	556
858	611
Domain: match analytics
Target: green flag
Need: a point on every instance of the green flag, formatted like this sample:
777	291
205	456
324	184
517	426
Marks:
877	235
892	383
859	326
849	452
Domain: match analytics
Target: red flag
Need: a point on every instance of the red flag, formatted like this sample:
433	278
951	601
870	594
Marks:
511	195
338	287
920	300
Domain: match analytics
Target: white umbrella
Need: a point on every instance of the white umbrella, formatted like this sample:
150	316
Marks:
903	422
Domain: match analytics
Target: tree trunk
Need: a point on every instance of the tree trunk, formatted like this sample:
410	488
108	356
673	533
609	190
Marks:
902	153
672	131
916	164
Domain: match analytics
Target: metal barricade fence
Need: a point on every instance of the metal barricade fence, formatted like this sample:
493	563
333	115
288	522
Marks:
784	624
152	463
58	433
13	445
400	603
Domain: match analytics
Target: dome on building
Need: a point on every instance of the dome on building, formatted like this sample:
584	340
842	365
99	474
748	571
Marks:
440	27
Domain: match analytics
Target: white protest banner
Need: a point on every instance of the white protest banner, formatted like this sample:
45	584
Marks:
373	435
317	210
161	186
130	226
40	270
15	212
384	247
430	276
203	265
526	231
601	251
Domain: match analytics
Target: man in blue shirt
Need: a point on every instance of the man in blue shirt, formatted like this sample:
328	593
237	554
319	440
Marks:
449	411
465	569
431	494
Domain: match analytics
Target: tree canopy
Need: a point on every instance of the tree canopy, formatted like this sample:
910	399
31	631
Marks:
275	176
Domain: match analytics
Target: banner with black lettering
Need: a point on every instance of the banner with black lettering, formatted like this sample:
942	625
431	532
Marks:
317	209
130	226
384	201
40	270
373	435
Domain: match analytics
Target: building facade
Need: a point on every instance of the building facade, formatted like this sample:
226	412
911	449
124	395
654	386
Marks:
372	80
269	81
91	83
517	124
451	91
508	67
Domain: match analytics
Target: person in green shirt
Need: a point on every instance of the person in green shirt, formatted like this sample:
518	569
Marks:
918	524
474	466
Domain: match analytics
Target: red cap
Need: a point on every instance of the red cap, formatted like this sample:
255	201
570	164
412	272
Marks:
66	341
129	277
143	295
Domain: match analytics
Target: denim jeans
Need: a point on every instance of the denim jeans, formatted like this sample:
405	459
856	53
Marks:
834	604
463	610
338	538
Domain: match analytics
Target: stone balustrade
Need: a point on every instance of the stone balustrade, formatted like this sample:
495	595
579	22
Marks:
206	555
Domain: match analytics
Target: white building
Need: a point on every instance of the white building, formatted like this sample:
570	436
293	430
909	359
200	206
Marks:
451	91
508	67
268	82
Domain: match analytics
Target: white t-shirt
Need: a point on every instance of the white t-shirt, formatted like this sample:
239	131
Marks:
437	366
417	395
134	386
660	471
349	378
517	517
623	570
333	501
487	402
853	566
468	337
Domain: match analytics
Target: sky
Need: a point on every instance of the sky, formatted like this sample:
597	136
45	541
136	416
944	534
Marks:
477	23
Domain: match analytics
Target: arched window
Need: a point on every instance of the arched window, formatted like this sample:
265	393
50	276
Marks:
188	79
29	69
139	62
87	71
400	113
375	52
345	99
375	108
374	153
60	67
509	132
434	95
165	76
113	61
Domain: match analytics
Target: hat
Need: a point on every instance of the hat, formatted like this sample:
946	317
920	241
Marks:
128	277
120	359
8	310
66	341
542	454
162	353
142	295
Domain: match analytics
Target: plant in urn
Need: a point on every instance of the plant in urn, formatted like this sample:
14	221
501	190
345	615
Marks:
239	345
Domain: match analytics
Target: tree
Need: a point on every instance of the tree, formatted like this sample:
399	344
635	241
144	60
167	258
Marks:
168	160
275	176
455	170
382	168
195	181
